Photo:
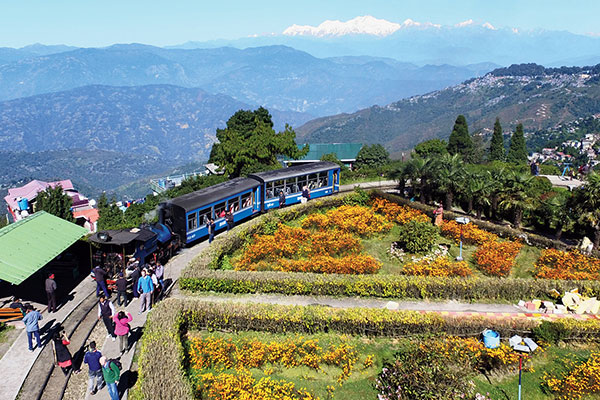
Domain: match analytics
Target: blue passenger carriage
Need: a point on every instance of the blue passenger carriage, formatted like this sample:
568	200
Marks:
187	215
322	179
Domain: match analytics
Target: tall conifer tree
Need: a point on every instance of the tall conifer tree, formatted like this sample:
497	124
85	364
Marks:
460	141
517	152
497	151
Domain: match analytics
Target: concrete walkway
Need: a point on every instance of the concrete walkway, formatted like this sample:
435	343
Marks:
17	361
110	349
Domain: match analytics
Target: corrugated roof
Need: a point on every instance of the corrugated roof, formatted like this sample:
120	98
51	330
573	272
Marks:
343	151
285	173
29	244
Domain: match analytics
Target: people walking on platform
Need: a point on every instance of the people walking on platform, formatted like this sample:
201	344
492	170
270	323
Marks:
106	310
157	288
95	378
122	290
122	329
281	199
100	277
229	219
145	287
160	273
111	374
51	293
135	276
31	326
305	194
211	227
62	355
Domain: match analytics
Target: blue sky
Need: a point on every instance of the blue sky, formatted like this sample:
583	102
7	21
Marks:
99	23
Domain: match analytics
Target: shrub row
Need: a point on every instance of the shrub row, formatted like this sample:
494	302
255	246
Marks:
502	231
383	286
162	357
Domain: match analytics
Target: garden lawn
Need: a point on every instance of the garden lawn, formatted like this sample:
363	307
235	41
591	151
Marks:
358	386
506	386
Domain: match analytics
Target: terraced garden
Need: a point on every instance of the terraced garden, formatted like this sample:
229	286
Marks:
369	246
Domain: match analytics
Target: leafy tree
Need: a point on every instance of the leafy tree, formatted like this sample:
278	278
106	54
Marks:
55	202
497	145
586	202
111	217
250	144
460	141
448	174
515	197
372	156
517	152
332	157
433	147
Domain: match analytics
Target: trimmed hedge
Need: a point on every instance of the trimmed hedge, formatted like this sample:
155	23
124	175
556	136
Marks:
162	358
502	231
383	286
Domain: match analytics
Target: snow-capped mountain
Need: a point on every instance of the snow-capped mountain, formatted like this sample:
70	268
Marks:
367	25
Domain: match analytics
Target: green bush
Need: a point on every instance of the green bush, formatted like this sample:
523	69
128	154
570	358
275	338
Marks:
416	373
417	237
550	332
359	197
382	286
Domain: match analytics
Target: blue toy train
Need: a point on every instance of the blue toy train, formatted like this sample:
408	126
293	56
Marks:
186	216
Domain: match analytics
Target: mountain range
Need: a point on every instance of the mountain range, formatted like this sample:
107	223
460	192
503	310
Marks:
175	123
530	94
277	77
468	42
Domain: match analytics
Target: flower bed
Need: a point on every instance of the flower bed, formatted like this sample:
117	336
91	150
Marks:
471	233
397	213
580	379
326	243
161	360
497	258
556	264
440	266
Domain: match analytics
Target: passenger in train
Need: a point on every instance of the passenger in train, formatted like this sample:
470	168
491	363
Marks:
305	194
281	199
229	219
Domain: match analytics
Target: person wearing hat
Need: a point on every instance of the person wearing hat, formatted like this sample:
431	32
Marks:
111	374
51	293
122	290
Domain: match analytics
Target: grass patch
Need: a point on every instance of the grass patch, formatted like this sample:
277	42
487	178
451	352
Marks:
4	332
506	385
524	263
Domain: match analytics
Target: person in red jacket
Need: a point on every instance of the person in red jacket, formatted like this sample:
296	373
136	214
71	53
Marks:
122	329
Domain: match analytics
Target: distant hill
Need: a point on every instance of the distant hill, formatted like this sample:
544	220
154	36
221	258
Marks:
173	123
530	94
274	76
91	171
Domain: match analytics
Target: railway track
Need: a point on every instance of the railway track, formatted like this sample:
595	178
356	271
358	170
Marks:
47	382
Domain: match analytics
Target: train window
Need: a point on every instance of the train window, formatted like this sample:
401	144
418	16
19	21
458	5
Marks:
247	200
291	186
312	181
302	181
234	204
270	192
204	216
192	221
279	185
220	210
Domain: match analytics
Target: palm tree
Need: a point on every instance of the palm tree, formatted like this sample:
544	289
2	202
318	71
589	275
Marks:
515	197
448	173
417	171
497	177
587	205
400	174
477	190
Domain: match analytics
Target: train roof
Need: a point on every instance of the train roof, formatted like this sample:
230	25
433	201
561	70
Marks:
296	170
123	236
211	194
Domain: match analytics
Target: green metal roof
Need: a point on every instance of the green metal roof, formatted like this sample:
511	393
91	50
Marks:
343	151
29	244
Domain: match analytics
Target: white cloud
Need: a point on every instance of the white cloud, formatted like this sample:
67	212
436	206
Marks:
489	26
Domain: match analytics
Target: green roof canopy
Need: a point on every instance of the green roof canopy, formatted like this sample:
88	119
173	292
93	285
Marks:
344	151
29	244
